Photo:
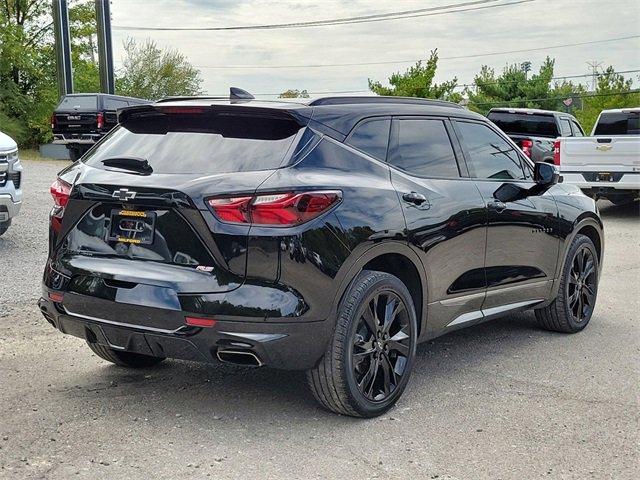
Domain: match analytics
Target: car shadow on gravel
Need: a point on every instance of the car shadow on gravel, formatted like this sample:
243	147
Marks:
610	211
198	391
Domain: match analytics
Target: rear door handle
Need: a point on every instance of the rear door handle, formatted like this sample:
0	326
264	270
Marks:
497	206
414	197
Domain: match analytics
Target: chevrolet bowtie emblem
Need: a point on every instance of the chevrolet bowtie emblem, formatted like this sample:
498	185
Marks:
124	194
604	148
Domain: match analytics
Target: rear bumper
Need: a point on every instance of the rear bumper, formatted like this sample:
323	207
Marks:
626	181
76	138
283	345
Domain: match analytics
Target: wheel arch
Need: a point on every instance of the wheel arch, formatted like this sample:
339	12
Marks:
395	258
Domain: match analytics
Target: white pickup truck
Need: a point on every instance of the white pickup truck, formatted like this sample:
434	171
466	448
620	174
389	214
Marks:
606	164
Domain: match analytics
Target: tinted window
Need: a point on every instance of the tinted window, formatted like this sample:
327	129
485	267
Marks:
618	124
424	149
372	137
565	127
78	102
490	156
577	131
114	103
525	124
199	143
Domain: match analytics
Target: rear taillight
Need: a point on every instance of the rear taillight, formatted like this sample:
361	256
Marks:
276	209
100	120
556	152
60	191
53	121
526	146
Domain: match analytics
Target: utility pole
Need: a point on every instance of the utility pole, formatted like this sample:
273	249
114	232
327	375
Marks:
594	65
64	69
105	47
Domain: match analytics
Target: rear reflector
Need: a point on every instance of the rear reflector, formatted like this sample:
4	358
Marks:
556	152
276	209
200	322
56	297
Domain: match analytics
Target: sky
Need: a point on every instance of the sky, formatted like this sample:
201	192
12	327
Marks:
534	24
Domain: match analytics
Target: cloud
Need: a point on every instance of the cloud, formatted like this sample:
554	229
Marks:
539	23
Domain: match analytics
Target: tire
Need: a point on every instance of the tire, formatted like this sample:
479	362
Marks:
74	153
571	310
4	226
351	378
124	359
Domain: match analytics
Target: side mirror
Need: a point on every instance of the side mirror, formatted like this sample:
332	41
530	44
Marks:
545	174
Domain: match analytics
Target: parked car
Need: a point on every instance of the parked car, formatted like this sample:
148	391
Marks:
10	182
534	131
81	119
607	164
330	237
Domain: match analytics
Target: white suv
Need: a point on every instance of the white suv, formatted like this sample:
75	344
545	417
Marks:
10	181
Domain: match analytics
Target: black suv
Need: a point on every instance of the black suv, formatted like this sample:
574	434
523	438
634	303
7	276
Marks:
535	131
331	236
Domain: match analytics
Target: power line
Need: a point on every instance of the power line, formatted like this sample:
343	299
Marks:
395	62
586	95
421	12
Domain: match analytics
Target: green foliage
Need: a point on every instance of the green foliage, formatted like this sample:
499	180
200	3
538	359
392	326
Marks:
417	81
294	94
612	91
152	73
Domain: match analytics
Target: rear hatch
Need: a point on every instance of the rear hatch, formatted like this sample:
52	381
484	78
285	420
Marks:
137	214
76	114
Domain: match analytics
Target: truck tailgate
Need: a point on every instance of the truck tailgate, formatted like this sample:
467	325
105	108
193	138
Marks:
615	153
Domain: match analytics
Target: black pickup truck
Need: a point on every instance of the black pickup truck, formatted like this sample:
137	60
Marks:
81	119
535	131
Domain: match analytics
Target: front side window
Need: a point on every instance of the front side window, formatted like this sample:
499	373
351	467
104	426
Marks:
372	137
424	149
490	156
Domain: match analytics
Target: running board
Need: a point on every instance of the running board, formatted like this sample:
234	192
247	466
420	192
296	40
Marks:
490	312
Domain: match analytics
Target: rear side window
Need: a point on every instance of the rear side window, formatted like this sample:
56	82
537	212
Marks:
114	103
565	127
618	124
372	137
424	149
577	130
525	124
79	102
490	156
201	143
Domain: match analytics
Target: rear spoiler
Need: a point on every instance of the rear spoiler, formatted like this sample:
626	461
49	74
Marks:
235	93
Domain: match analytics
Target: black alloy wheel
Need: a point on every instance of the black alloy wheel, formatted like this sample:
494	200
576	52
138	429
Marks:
581	291
381	346
369	360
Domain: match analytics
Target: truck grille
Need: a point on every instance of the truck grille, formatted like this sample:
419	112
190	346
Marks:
3	179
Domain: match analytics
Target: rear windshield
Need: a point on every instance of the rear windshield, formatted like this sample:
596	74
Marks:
525	124
618	124
79	102
203	143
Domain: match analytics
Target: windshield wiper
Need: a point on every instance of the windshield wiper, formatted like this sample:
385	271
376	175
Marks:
133	164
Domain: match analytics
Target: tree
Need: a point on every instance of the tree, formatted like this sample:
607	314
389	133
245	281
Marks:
152	73
612	91
294	94
417	81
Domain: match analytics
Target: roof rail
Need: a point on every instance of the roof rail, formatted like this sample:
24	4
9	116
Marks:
235	93
382	99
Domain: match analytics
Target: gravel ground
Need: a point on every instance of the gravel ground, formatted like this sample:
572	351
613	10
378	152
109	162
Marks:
501	400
